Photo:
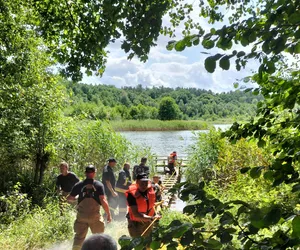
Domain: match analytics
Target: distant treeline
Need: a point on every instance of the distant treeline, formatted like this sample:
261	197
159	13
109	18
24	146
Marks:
138	103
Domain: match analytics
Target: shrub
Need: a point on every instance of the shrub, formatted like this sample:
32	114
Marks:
38	229
13	205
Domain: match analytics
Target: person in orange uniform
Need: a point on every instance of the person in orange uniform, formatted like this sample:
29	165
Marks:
141	206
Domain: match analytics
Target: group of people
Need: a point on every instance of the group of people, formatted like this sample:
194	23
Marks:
136	197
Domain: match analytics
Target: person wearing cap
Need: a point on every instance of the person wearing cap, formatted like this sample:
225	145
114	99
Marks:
141	207
142	168
109	182
66	180
123	183
91	196
158	187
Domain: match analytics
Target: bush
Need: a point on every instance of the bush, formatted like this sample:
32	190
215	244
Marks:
38	229
215	158
203	156
13	205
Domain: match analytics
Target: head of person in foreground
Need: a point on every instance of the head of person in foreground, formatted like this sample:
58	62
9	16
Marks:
99	242
143	182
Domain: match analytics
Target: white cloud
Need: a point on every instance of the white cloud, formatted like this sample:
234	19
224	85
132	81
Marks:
169	69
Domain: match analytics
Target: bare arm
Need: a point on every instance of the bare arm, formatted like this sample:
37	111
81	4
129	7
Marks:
140	216
70	198
105	206
108	184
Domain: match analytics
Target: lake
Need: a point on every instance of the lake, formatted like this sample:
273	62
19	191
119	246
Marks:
164	142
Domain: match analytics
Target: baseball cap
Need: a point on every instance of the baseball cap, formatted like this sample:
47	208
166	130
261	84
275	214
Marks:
142	177
156	175
90	169
112	160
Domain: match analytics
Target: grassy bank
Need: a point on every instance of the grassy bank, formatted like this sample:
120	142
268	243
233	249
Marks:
157	125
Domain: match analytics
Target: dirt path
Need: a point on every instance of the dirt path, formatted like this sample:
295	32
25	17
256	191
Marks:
115	229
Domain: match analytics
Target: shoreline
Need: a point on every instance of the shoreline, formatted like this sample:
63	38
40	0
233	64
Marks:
158	125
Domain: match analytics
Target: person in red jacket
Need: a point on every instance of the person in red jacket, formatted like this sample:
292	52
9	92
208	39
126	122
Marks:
141	206
172	160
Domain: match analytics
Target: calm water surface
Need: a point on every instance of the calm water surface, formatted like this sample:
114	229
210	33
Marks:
164	142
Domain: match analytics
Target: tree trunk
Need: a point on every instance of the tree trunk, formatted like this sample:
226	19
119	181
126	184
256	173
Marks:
37	168
43	165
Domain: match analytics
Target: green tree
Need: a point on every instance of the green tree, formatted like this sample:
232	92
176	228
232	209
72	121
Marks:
168	109
77	33
31	103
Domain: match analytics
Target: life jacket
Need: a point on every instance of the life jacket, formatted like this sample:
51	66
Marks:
144	206
172	158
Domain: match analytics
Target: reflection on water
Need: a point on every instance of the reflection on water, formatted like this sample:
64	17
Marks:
164	142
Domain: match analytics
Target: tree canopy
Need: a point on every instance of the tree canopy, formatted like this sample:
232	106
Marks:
168	109
76	33
109	102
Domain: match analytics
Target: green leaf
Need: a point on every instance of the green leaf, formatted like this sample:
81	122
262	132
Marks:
217	56
212	244
208	44
236	85
244	170
201	185
269	175
225	63
248	244
198	238
225	237
296	188
178	230
180	45
252	229
261	143
155	245
272	217
198	224
190	209
172	246
226	219
187	238
170	45
124	241
210	64
270	67
294	18
296	227
255	172
296	48
240	54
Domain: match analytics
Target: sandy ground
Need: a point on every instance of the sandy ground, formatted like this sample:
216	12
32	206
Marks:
116	229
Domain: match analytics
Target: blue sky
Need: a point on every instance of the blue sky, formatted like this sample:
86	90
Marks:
169	68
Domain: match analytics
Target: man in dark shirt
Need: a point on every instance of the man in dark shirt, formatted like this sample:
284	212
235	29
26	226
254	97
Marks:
142	168
123	183
109	182
91	196
66	180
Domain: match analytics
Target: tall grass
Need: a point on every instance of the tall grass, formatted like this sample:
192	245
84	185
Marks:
158	125
39	229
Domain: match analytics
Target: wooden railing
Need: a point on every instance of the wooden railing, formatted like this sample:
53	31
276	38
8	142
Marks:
162	163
